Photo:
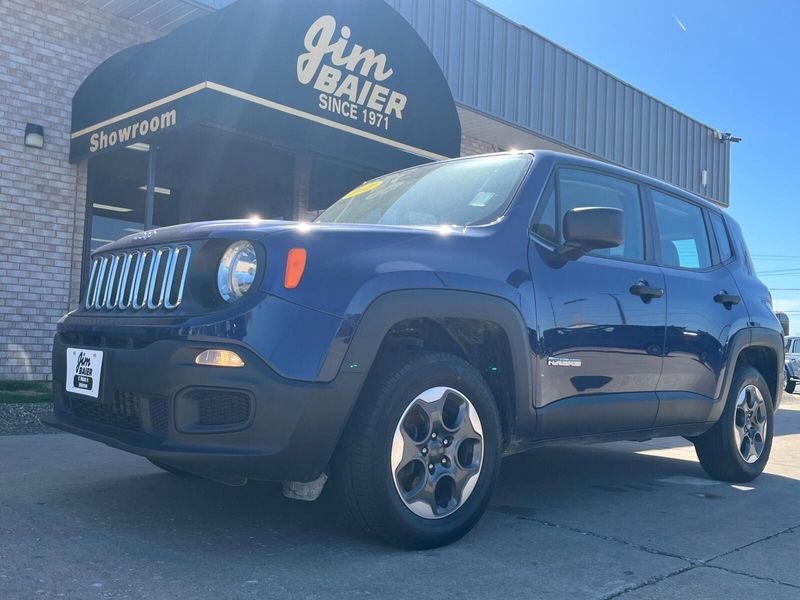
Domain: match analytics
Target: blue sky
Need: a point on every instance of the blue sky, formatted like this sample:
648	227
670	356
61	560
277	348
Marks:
731	64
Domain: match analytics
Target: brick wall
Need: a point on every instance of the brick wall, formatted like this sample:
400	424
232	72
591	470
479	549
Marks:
47	48
470	146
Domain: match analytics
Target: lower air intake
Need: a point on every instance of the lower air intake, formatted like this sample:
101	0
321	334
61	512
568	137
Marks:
208	409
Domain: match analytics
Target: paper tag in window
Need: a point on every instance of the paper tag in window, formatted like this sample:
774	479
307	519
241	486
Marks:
482	199
362	189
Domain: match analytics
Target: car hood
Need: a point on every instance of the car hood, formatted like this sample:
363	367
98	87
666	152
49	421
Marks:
253	229
239	229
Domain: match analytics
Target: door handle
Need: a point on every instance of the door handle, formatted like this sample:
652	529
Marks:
646	292
727	300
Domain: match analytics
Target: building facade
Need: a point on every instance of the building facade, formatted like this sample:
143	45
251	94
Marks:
203	130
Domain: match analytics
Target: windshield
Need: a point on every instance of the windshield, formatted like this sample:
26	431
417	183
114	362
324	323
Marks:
460	192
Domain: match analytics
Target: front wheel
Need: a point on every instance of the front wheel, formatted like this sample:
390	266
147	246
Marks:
737	447
421	454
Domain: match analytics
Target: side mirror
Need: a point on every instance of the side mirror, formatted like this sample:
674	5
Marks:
783	318
592	228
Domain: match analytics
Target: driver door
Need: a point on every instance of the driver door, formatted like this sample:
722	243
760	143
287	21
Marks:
600	339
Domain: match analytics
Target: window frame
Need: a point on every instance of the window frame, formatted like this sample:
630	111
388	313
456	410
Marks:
553	180
712	250
710	213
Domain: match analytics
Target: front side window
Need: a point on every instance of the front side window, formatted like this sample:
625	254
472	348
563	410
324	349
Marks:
576	188
683	238
470	191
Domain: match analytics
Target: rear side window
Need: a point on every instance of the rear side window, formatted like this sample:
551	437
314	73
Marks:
682	234
721	233
576	188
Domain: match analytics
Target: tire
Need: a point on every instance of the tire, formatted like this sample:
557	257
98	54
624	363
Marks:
170	469
720	454
368	486
790	385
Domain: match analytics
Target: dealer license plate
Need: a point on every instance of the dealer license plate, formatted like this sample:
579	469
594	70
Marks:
83	371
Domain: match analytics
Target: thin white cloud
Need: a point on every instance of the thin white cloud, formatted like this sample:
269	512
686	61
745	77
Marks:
679	22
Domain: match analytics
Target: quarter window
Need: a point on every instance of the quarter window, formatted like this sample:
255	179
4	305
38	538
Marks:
576	188
721	233
682	233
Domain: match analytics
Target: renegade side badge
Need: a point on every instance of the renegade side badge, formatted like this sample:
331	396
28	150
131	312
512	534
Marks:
557	361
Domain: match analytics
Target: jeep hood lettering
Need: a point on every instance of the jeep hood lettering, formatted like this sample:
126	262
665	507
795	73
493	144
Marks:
248	229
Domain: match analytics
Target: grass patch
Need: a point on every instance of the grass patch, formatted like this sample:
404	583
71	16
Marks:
23	392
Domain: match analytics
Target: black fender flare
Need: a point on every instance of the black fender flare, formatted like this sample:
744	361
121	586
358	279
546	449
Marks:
743	339
390	308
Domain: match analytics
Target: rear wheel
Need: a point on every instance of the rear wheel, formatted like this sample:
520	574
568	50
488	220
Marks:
737	448
421	454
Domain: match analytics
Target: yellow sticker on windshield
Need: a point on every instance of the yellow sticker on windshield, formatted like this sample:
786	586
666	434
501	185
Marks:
362	189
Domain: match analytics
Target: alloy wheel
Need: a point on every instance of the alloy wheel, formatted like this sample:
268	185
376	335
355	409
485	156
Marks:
750	423
437	452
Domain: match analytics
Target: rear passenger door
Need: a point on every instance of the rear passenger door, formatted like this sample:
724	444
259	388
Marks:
600	337
704	307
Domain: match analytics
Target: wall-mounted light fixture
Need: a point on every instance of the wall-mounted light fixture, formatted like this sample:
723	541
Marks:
726	136
34	135
157	190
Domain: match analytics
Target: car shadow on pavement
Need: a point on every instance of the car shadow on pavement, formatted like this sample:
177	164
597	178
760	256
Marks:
570	484
565	521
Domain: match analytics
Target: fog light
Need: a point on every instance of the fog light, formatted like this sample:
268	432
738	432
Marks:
219	358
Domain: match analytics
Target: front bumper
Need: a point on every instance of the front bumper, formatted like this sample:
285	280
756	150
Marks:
147	405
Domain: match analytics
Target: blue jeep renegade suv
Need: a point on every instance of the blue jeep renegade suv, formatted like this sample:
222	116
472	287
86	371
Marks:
428	323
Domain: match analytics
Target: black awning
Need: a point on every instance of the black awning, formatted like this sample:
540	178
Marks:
349	78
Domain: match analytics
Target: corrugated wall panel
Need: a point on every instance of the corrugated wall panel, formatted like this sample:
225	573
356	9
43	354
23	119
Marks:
507	71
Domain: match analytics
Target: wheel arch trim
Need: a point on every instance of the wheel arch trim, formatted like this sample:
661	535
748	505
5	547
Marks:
393	307
752	337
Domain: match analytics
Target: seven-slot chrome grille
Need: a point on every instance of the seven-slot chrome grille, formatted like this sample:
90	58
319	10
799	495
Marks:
148	278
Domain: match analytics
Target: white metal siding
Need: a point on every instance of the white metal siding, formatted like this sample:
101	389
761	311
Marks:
509	72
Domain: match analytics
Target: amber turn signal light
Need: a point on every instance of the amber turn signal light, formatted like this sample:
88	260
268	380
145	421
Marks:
295	265
219	358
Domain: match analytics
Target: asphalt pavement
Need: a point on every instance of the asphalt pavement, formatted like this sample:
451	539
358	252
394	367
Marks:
627	520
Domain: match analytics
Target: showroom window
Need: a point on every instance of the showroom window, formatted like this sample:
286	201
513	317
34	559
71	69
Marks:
330	181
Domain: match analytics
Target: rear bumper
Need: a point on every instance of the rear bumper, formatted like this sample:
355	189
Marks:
149	405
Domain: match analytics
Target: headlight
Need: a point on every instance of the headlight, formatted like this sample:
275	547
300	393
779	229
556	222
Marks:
237	270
